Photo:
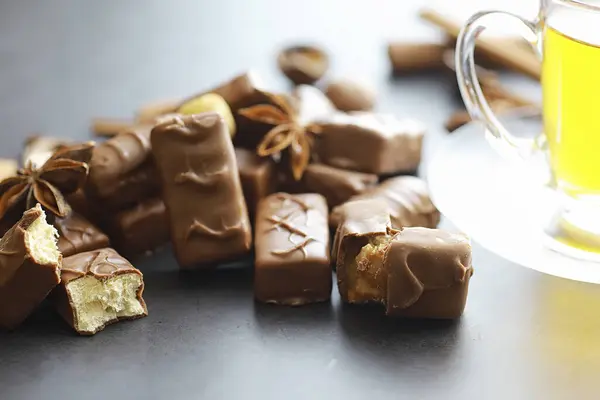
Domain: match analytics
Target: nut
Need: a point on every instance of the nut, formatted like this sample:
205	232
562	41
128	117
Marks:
348	95
209	102
303	64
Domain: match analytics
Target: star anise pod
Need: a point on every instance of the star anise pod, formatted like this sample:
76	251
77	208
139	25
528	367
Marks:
287	133
64	172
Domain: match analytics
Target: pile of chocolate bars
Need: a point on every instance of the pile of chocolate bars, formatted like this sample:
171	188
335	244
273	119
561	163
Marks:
223	174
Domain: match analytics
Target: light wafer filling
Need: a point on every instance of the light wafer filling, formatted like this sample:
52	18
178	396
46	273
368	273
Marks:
41	239
97	302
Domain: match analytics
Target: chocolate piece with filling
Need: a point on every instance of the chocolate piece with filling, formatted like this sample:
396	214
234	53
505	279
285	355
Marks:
372	143
407	199
201	189
78	235
257	176
121	171
365	221
415	272
29	267
98	288
292	265
335	184
141	229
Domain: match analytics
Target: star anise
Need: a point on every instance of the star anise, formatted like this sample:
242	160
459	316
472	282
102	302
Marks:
288	132
64	172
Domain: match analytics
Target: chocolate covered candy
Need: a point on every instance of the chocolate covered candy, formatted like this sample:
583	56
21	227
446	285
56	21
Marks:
121	171
141	229
372	143
415	272
335	184
407	199
78	235
257	176
292	264
201	189
29	267
98	288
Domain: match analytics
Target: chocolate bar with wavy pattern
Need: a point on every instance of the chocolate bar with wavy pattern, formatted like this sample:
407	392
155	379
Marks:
78	235
292	264
98	288
407	199
201	189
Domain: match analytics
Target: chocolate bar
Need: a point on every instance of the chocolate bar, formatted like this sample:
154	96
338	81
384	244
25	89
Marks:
78	235
121	171
364	221
292	265
407	199
29	267
98	288
141	229
415	272
372	143
257	176
335	184
201	189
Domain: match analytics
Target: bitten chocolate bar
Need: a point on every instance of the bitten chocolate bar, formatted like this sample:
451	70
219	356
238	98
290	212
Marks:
407	199
201	189
335	184
29	267
78	235
121	171
141	229
257	176
292	265
415	272
98	288
372	143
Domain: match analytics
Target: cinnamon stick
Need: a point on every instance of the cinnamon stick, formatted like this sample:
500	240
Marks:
147	113
410	57
517	58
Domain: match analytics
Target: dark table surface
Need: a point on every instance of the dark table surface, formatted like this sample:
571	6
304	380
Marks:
524	335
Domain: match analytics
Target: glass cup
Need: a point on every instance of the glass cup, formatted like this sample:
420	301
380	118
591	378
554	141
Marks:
566	34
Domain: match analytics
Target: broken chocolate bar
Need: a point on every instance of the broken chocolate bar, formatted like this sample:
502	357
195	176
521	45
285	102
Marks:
29	267
141	229
415	272
257	176
407	199
292	265
364	222
78	235
201	189
335	184
98	288
372	143
121	171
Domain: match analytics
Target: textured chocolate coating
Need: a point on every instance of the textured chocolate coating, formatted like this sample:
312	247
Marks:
102	264
24	283
408	202
141	229
78	235
428	273
292	265
373	143
335	184
121	171
257	176
363	220
201	189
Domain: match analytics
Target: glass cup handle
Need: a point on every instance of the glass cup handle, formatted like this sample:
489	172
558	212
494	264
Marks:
470	89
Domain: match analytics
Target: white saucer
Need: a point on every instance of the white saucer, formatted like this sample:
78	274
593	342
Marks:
497	204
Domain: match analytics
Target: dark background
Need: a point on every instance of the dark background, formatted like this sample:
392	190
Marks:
524	335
